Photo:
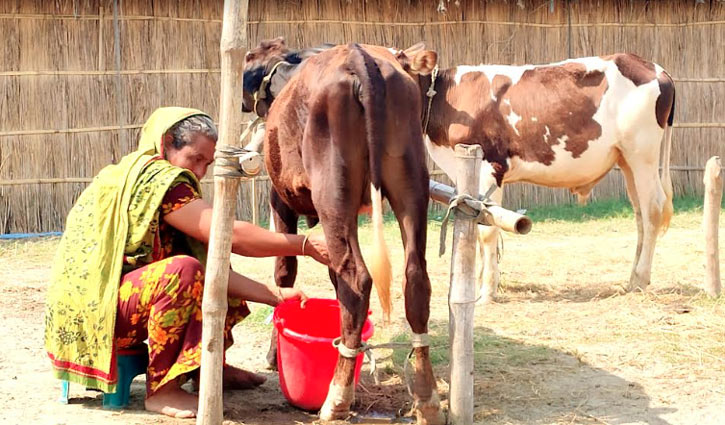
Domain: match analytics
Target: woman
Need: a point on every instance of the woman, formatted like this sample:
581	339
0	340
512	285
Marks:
130	267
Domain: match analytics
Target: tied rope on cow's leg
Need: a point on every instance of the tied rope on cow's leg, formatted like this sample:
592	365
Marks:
416	341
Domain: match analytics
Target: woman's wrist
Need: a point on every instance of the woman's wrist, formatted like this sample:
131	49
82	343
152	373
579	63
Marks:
304	245
278	295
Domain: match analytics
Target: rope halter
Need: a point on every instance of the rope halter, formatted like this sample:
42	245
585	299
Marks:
261	93
430	93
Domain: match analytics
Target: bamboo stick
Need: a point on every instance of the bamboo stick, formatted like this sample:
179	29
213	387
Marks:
100	39
366	23
54	73
214	306
462	294
120	104
711	222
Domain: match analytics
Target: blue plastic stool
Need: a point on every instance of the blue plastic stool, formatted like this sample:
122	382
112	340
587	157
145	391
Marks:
130	362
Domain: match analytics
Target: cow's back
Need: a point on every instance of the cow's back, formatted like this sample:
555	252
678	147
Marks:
298	122
557	124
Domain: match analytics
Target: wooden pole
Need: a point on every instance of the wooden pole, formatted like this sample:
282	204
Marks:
710	221
214	305
462	295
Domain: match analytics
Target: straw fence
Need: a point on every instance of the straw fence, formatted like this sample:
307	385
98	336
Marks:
78	78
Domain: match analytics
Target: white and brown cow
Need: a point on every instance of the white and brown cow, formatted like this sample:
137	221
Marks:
566	125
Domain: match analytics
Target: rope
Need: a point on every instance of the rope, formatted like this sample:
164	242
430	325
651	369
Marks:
471	208
416	341
236	162
430	93
251	125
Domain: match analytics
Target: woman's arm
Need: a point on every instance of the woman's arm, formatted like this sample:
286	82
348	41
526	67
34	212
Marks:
194	219
251	290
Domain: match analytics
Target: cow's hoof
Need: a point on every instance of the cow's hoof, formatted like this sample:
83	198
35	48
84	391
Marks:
272	358
429	412
337	404
636	282
486	298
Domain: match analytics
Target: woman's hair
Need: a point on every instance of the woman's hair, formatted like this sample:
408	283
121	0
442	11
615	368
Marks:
183	131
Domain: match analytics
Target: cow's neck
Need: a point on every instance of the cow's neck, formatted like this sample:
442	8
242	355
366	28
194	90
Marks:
439	114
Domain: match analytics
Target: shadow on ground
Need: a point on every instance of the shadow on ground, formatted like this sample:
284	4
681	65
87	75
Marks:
515	383
522	383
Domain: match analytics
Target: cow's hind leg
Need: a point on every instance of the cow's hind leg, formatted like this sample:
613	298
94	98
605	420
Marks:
337	210
652	200
489	275
285	268
634	200
408	197
353	282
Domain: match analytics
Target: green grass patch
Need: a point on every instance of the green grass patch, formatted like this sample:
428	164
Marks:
490	351
602	210
259	315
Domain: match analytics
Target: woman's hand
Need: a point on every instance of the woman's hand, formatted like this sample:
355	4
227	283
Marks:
316	247
292	294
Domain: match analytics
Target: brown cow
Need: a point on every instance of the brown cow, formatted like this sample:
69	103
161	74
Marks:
341	134
560	125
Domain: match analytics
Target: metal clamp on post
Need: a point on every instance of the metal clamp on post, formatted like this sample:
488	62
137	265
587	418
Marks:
236	162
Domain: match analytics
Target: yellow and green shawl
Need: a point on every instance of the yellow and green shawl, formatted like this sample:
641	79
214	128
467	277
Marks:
116	215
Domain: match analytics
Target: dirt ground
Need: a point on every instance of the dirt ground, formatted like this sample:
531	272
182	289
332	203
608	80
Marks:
562	346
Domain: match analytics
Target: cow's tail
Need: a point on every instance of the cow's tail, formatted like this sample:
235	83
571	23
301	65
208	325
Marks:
668	210
371	94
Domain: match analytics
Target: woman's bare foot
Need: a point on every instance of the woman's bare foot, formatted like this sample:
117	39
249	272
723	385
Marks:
173	401
233	378
239	379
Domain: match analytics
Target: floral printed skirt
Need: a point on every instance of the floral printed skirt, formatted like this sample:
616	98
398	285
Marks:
162	302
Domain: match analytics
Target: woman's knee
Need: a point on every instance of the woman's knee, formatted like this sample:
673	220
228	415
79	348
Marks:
189	269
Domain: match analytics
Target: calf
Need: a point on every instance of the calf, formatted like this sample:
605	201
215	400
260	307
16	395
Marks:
342	132
559	125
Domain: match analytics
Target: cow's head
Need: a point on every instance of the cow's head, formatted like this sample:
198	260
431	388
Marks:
258	63
275	62
416	60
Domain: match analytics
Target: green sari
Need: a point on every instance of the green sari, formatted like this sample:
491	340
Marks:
114	218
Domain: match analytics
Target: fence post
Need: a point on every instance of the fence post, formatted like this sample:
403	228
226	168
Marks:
462	294
710	222
214	304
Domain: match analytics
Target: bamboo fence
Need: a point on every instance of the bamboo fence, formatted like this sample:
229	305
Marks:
79	77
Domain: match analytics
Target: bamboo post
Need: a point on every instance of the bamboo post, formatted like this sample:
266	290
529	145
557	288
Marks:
710	221
462	295
214	304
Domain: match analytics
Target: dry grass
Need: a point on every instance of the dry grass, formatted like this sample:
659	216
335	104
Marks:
563	345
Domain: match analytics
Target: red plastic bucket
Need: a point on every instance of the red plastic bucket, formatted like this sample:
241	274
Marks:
306	359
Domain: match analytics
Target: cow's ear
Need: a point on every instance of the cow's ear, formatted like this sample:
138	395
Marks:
423	62
416	60
414	49
273	44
